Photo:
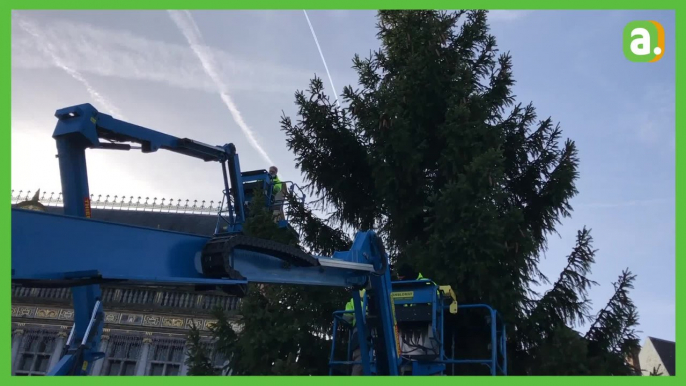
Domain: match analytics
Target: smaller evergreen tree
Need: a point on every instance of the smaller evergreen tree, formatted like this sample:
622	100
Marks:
612	336
198	359
656	371
282	328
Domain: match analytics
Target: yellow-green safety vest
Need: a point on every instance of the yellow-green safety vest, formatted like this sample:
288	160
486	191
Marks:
350	306
276	187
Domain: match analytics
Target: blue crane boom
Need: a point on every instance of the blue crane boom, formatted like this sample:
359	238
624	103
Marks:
72	250
82	127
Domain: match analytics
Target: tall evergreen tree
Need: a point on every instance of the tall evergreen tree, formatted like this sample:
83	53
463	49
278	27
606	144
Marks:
463	184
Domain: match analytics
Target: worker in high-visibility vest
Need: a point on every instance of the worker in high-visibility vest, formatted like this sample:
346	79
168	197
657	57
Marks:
357	354
277	193
276	182
404	272
407	273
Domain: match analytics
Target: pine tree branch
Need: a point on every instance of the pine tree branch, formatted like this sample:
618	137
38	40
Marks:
318	237
613	328
567	302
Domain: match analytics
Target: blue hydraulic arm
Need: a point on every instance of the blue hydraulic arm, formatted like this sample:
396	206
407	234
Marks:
91	252
75	252
72	250
82	127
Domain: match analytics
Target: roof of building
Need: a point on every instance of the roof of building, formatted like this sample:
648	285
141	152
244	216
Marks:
666	350
197	224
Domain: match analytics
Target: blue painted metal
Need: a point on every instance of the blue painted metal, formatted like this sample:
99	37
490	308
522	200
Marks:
338	321
81	127
334	335
80	349
498	342
71	151
503	348
426	292
73	137
430	368
65	366
91	249
72	251
108	251
360	322
233	219
384	307
234	168
89	125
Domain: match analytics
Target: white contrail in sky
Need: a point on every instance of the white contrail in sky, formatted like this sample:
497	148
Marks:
119	54
44	45
184	21
319	48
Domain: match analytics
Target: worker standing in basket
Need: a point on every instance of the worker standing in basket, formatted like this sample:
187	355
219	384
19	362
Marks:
277	193
357	354
406	272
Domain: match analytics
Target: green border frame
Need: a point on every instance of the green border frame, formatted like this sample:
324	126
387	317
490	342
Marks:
5	155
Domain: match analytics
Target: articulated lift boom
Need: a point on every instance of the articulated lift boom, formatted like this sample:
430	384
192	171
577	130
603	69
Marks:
72	250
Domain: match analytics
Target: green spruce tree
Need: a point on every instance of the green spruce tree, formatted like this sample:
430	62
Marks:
431	150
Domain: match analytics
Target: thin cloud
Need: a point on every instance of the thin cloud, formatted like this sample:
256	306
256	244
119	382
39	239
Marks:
184	21
321	54
506	15
49	49
115	53
657	113
624	204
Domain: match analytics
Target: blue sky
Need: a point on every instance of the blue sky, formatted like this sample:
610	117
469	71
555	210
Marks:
140	66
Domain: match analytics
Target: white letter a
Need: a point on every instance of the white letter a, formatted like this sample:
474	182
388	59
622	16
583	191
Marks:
640	46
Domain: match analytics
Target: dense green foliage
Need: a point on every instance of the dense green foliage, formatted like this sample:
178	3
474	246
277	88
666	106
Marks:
198	359
279	332
462	183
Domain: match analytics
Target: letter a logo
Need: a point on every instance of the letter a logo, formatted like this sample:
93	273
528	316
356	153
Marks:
644	41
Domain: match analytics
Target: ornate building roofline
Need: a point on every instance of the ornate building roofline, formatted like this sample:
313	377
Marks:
127	203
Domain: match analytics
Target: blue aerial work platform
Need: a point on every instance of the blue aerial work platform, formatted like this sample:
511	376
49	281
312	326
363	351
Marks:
74	250
420	307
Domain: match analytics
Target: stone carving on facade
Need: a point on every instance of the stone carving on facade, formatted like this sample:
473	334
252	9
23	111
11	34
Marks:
147	320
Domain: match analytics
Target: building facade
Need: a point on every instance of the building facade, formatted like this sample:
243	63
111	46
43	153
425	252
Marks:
146	328
658	357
